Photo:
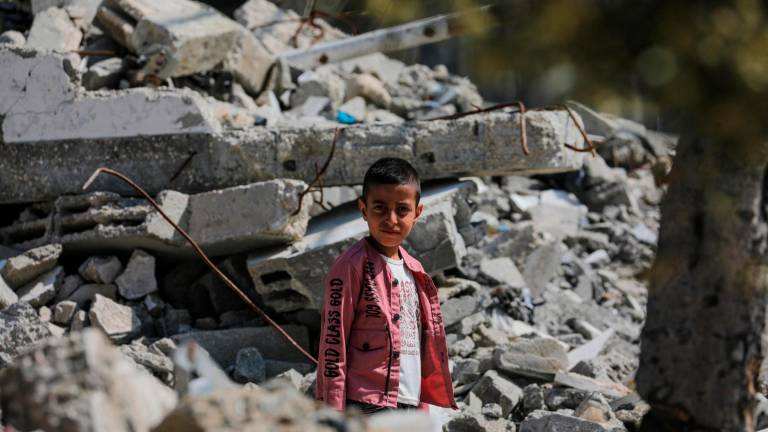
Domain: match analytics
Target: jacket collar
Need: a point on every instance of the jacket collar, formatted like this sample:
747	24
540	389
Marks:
412	263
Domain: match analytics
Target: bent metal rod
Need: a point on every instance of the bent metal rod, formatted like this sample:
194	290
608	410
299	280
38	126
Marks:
201	254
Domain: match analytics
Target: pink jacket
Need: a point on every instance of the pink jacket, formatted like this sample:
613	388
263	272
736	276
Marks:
360	334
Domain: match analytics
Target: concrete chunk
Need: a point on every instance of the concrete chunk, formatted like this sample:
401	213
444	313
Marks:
581	382
438	149
20	328
226	221
292	279
138	279
492	387
197	37
64	311
7	296
23	268
86	294
43	289
545	421
223	345
115	320
535	358
53	30
100	269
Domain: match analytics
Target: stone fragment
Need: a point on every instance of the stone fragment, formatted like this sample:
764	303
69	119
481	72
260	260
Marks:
64	311
154	304
20	329
437	149
494	388
589	350
45	314
602	186
118	322
457	308
322	83
580	382
223	345
138	279
492	410
79	321
12	38
545	421
7	296
596	409
487	336
292	279
96	388
354	107
42	290
468	421
53	30
561	398
24	268
463	347
69	285
535	358
541	266
86	294
370	88
533	398
104	74
502	270
56	331
249	366
100	269
158	364
248	60
466	371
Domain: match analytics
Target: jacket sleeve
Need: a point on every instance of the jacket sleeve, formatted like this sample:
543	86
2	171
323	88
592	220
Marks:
341	289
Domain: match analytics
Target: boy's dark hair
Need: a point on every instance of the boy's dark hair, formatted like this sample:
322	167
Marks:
391	170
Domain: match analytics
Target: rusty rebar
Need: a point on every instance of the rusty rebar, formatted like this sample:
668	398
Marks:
201	254
319	173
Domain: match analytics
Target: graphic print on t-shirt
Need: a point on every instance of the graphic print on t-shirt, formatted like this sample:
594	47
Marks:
409	314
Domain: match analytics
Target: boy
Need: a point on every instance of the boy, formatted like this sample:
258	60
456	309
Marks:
382	341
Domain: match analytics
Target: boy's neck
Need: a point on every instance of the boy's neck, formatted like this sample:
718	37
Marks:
389	252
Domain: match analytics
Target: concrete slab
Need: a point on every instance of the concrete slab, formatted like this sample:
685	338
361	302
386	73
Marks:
292	279
225	221
482	144
52	29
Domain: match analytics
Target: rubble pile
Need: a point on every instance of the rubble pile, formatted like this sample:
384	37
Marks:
539	253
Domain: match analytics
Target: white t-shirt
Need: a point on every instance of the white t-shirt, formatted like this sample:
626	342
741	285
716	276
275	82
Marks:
410	333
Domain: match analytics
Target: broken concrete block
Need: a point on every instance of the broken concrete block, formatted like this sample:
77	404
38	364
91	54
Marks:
138	279
223	345
534	358
24	268
64	311
115	320
249	366
7	296
42	290
597	410
223	222
195	36
86	294
97	388
322	83
492	387
502	270
354	107
589	350
249	61
20	329
438	149
53	30
81	12
292	279
45	314
68	286
100	269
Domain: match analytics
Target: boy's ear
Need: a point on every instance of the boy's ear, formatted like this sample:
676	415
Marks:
361	207
419	209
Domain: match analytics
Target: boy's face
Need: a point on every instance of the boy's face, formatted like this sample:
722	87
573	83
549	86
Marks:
390	211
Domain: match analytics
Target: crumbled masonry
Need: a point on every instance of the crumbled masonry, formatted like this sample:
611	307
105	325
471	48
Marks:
109	321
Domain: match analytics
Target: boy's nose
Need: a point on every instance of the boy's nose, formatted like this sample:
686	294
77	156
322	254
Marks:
392	217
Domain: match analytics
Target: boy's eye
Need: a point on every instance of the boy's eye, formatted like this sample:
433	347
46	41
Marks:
403	210
378	208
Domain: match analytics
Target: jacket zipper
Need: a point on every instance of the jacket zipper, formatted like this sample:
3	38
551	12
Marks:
389	363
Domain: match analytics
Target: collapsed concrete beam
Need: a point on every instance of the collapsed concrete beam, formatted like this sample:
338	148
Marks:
292	279
225	221
481	144
41	101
